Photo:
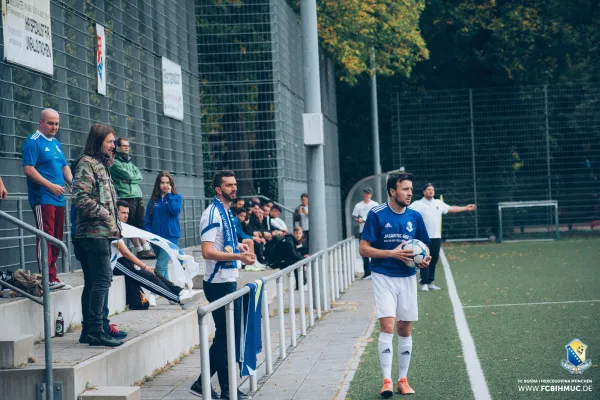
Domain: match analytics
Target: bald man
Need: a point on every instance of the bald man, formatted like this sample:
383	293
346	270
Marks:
46	168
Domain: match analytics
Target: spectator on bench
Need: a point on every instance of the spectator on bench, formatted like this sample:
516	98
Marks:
139	274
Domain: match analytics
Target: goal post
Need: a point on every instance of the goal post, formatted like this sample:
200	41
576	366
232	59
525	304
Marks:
528	220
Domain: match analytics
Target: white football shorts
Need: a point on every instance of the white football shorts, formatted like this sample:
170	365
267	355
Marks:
396	297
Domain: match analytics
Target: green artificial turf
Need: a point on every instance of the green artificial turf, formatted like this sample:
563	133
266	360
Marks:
514	343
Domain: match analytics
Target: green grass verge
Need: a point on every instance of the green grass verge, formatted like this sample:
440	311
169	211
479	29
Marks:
437	370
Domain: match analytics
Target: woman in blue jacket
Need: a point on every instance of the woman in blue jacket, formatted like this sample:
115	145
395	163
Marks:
162	218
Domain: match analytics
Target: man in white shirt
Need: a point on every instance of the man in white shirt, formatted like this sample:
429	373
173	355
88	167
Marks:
432	209
222	254
360	212
276	222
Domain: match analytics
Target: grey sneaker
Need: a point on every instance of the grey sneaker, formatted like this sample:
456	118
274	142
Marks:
433	287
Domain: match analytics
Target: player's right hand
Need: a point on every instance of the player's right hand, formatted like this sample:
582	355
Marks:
402	255
56	190
247	258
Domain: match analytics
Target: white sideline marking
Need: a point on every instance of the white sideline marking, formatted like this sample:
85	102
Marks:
478	383
533	304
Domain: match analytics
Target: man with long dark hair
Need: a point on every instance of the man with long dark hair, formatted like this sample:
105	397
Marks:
46	168
222	252
96	202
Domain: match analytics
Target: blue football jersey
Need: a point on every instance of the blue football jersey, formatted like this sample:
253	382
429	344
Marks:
385	230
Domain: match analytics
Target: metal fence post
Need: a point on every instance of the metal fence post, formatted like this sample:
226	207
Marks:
302	305
267	331
311	313
21	239
292	306
320	287
547	142
204	356
230	326
47	321
281	316
472	120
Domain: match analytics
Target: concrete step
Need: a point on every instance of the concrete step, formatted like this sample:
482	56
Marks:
21	316
156	337
112	393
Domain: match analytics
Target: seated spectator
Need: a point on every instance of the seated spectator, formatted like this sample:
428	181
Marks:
239	203
276	222
252	241
139	274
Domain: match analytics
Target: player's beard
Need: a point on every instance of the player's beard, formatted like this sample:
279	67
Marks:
402	204
229	197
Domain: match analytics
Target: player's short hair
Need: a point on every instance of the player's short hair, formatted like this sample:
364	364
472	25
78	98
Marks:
219	175
276	207
393	179
238	211
303	195
122	203
120	140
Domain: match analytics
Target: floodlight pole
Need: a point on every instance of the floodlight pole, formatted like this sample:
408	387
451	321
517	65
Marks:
375	127
314	132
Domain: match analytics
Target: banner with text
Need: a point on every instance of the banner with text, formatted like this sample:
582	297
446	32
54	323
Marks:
172	85
101	59
27	34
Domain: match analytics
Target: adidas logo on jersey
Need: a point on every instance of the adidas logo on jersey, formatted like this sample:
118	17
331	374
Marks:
47	149
386	351
388	225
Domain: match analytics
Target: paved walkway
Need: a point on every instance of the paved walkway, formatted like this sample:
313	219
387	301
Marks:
317	368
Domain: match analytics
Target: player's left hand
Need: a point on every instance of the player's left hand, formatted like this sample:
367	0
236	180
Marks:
471	207
425	262
244	248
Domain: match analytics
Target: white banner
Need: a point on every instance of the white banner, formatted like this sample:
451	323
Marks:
172	85
27	34
101	59
184	266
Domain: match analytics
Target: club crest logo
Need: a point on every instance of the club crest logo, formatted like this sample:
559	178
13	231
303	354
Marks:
409	226
229	249
576	361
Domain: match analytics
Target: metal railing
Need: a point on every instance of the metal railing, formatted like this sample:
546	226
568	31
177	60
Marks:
44	239
329	273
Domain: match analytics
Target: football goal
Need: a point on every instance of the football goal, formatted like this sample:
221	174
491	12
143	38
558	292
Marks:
528	220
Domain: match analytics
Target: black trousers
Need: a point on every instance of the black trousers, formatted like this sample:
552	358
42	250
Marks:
94	256
428	274
153	282
218	349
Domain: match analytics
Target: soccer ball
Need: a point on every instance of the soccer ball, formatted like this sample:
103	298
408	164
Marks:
420	250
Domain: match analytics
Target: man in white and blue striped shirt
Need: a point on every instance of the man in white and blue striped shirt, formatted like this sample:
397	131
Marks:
223	254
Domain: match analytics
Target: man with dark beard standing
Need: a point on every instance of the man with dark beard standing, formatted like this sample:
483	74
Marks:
223	253
96	202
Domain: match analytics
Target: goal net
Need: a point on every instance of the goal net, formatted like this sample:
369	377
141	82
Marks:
528	220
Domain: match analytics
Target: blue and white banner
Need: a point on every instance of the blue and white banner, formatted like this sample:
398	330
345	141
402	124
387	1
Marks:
184	266
101	59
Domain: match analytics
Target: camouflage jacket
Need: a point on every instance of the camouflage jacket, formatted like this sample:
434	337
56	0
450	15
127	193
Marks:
95	199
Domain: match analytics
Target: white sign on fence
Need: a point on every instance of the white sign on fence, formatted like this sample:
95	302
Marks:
101	59
27	34
172	85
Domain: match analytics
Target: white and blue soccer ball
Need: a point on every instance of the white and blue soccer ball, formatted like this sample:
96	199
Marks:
419	249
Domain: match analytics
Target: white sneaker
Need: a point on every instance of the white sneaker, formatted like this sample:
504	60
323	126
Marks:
367	278
187	296
152	300
433	287
66	287
425	288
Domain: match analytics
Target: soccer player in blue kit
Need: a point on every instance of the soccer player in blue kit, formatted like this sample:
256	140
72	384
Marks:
394	283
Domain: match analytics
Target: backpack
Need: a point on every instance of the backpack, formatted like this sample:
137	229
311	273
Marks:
29	282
